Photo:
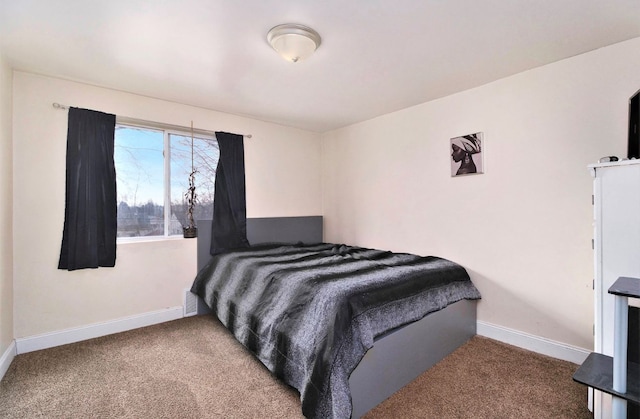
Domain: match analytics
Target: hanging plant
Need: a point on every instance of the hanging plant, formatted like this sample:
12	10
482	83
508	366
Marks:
190	231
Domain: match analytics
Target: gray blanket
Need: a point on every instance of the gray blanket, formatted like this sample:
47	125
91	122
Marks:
310	312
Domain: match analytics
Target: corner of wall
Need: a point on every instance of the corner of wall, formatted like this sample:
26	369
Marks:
7	344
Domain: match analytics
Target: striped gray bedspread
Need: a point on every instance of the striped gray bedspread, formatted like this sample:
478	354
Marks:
310	312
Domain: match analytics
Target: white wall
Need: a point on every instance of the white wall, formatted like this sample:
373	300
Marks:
282	174
523	229
6	249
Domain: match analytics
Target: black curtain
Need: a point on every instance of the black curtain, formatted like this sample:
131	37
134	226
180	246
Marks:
229	226
90	216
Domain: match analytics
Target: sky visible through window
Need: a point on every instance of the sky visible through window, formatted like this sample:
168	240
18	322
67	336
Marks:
139	166
140	175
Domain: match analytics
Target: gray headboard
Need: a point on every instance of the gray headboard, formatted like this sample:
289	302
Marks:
266	230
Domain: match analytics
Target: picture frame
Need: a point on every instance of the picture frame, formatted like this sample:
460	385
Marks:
466	154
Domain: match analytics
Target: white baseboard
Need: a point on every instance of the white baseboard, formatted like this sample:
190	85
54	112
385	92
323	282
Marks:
48	340
7	358
533	343
63	337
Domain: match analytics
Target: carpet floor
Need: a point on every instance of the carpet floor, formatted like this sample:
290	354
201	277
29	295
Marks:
194	368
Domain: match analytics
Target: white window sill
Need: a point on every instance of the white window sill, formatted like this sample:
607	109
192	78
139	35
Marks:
128	240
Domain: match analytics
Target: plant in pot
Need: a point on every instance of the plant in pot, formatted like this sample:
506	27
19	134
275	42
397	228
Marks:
191	231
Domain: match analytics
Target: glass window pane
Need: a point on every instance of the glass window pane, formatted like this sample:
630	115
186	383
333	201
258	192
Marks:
139	164
205	161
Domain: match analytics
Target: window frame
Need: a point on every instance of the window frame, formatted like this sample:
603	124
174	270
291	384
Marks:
167	131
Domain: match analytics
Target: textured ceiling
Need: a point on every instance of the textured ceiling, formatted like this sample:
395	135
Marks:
376	56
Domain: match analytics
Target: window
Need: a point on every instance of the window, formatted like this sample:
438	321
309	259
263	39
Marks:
152	175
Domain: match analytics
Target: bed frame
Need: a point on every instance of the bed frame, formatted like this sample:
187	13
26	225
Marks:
396	358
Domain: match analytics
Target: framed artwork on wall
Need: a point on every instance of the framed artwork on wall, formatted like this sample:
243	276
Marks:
466	155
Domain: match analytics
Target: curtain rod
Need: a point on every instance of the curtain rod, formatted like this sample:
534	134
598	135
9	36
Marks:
127	120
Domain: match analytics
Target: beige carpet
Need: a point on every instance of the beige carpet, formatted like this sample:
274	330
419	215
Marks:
193	368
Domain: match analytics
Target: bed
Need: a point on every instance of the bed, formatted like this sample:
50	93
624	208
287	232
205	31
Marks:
346	326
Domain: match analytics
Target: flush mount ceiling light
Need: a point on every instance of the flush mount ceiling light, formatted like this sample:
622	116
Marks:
293	42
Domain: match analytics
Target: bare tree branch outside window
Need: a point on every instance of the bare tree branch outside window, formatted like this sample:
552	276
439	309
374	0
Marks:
141	191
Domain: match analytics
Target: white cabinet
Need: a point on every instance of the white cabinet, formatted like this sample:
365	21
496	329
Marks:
616	249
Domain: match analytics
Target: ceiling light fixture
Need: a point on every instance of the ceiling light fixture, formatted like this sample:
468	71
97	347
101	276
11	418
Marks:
293	42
